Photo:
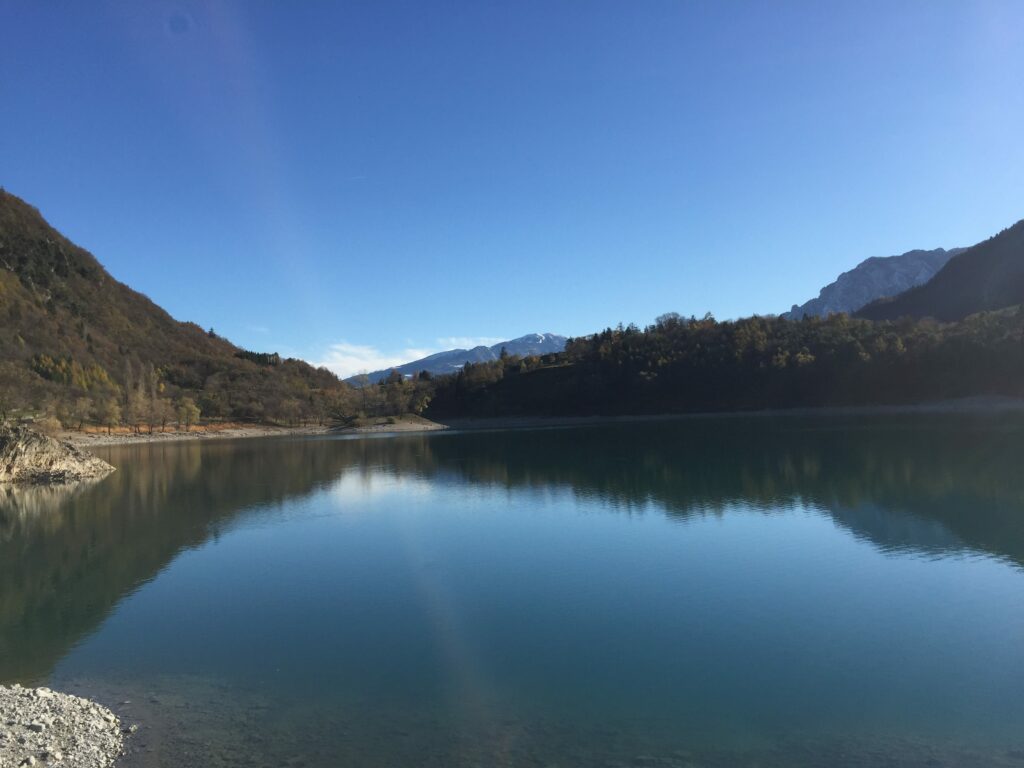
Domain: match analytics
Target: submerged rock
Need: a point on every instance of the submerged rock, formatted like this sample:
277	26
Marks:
41	727
27	456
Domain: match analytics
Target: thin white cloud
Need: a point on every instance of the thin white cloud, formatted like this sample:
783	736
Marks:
468	342
347	359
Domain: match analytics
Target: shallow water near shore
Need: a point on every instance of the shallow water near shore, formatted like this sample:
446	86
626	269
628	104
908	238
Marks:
766	591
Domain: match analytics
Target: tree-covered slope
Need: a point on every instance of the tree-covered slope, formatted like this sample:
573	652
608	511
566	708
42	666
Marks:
72	333
686	365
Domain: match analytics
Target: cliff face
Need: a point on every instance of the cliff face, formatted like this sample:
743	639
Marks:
29	457
985	278
873	279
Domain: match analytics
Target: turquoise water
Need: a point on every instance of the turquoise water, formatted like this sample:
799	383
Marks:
700	592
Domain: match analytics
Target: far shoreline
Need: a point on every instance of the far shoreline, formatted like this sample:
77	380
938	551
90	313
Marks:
968	405
415	424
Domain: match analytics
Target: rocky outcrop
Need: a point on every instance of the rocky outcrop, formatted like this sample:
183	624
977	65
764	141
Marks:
27	456
873	279
42	727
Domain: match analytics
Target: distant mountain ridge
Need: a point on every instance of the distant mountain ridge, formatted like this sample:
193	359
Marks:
452	360
987	277
874	278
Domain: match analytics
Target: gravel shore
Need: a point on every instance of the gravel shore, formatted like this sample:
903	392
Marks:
94	439
42	727
407	423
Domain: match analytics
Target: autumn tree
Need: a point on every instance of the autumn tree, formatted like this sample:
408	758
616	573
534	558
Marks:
188	412
81	411
396	393
108	412
163	412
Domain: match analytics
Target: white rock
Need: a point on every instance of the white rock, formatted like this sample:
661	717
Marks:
57	728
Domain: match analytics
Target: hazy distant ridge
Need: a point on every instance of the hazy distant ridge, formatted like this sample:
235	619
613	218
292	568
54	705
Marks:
451	360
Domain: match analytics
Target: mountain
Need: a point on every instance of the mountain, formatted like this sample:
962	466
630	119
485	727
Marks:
988	276
452	360
872	279
72	334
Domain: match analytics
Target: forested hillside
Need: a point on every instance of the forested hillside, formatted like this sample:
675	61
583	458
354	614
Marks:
697	365
80	346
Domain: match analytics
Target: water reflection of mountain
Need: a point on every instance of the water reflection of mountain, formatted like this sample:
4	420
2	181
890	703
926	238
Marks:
934	484
930	485
895	531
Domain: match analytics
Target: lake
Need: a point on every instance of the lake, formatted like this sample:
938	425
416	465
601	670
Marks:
781	591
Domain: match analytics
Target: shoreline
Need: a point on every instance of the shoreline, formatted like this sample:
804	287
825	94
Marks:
410	424
965	406
95	439
237	432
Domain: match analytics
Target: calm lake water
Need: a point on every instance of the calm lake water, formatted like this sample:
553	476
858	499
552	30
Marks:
707	592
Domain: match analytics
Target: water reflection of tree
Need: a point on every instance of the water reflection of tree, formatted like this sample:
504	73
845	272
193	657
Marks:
67	557
960	473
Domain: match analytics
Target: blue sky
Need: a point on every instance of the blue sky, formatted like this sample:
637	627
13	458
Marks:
357	183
